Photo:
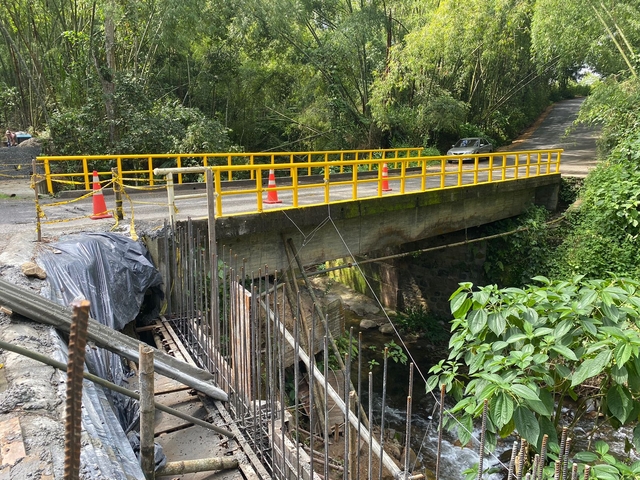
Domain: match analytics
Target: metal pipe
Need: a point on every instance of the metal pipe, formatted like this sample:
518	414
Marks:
113	386
37	308
195	466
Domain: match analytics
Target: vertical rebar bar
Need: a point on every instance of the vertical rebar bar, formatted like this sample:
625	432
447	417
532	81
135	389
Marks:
512	460
280	335
147	411
574	471
440	425
384	398
483	431
523	448
534	468
347	381
296	379
312	366
543	455
407	441
587	472
359	406
565	463
561	455
326	410
370	459
75	370
354	441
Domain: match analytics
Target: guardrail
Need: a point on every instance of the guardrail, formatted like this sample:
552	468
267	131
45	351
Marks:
343	181
136	170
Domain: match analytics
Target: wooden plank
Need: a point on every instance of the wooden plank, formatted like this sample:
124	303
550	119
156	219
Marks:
11	441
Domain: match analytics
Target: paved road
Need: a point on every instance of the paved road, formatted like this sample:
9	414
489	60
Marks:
579	146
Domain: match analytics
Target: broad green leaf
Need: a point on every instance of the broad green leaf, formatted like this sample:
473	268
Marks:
432	382
586	457
636	437
620	374
526	424
497	346
460	304
477	321
542	279
516	338
602	447
539	407
531	316
497	322
563	371
620	403
589	327
611	312
562	329
501	409
480	297
622	353
524	392
465	429
591	367
565	352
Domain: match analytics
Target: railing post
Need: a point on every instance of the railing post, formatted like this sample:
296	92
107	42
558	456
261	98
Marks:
259	188
150	165
218	189
327	173
115	184
85	172
171	199
47	174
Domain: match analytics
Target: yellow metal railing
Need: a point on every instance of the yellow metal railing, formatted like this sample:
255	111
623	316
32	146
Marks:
348	180
137	170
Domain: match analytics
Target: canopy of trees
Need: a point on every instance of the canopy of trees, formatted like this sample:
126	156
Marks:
201	75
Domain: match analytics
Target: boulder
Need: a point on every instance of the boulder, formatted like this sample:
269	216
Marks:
367	324
30	269
387	329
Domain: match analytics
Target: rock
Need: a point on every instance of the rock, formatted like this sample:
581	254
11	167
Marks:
387	329
364	308
367	324
30	269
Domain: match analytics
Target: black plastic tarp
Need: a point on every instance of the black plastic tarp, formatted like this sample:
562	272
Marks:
112	271
118	278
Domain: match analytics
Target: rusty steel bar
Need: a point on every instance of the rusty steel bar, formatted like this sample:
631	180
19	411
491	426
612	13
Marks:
75	369
147	412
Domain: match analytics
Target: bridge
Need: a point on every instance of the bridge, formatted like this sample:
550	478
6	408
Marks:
331	204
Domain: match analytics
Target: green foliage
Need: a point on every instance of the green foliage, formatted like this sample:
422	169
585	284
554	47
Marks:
569	190
142	126
527	350
417	319
513	259
395	352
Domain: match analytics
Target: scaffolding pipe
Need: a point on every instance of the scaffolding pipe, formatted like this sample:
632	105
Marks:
112	386
37	308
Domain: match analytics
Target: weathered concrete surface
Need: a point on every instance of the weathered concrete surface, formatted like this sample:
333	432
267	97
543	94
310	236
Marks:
357	228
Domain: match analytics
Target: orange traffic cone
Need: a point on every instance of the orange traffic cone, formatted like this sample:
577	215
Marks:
99	206
272	195
385	175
